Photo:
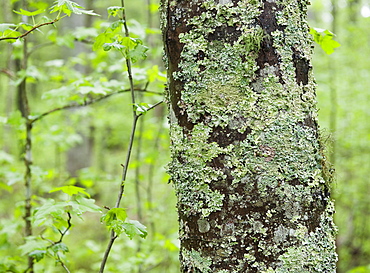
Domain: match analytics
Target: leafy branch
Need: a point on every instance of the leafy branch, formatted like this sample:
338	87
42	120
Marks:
31	30
132	50
61	6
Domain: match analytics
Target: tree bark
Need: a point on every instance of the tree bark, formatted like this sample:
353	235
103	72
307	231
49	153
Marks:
252	183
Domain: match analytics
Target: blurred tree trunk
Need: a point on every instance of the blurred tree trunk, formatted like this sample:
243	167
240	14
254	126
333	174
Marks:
247	164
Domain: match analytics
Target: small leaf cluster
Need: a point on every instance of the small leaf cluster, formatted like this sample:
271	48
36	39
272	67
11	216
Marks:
55	220
112	38
116	220
324	38
68	7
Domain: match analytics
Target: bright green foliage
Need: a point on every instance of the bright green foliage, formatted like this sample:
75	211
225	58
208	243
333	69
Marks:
116	220
68	7
113	11
64	72
114	214
360	269
71	190
133	228
61	6
29	13
131	48
142	107
324	38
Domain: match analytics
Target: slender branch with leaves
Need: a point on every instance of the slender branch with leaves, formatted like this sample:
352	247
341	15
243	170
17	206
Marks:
132	50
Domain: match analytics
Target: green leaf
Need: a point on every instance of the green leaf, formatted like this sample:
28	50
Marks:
138	53
67	40
61	93
59	247
16	119
82	205
116	24
71	190
50	209
153	7
142	107
68	7
130	43
113	11
324	38
102	39
360	269
32	244
154	74
5	158
115	45
114	214
83	32
133	228
26	26
38	255
114	219
116	226
98	90
10	33
29	13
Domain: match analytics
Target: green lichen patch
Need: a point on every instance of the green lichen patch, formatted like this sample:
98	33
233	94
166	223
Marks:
316	253
197	263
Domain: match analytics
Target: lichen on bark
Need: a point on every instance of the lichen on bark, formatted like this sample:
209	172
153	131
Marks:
247	162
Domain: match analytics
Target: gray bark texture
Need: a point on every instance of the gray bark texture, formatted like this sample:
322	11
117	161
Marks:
252	183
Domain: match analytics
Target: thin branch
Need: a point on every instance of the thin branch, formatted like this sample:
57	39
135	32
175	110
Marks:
25	109
63	233
63	265
31	30
36	47
150	108
86	103
113	237
128	155
8	72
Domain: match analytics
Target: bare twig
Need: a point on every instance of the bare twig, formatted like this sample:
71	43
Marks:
8	72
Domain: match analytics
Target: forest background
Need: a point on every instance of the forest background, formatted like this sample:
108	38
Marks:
67	64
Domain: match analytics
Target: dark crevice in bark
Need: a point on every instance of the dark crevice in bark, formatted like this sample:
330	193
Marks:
302	67
267	53
310	122
226	136
173	48
267	18
229	34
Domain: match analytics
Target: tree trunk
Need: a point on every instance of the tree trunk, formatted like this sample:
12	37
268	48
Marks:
247	164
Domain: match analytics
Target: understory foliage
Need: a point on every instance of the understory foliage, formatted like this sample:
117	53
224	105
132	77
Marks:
78	96
67	114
